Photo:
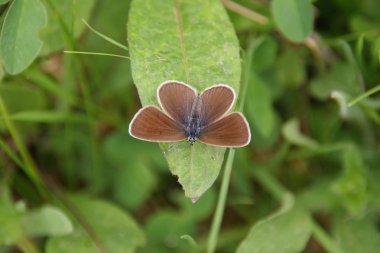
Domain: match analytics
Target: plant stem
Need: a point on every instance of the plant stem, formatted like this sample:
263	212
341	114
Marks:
27	246
248	13
30	168
217	220
95	53
11	154
325	239
364	95
312	44
112	41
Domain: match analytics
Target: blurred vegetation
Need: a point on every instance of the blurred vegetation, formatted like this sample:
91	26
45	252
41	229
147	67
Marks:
73	180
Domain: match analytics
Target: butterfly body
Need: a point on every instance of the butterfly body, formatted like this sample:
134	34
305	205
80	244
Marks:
193	124
187	115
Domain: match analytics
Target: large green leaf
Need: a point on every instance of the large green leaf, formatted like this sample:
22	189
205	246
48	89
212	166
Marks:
108	229
294	18
190	41
349	232
285	232
19	41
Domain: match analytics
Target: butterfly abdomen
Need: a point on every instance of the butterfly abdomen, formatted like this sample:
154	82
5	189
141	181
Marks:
194	122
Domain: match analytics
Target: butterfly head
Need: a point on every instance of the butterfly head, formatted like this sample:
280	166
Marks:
193	128
192	139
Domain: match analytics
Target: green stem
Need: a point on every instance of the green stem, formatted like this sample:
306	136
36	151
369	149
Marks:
87	101
112	41
95	53
217	220
364	95
27	246
325	239
270	184
11	154
30	168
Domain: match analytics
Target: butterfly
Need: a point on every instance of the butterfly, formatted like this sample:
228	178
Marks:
187	115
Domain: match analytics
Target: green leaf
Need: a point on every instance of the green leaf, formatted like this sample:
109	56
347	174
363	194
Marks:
106	226
260	109
169	235
18	98
291	69
352	186
349	232
4	1
46	221
19	41
10	219
264	53
342	77
65	17
294	18
132	168
168	42
292	133
285	232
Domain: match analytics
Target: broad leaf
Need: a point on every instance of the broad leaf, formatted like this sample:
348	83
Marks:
342	77
104	228
19	41
189	41
294	18
264	53
46	221
260	109
349	232
286	232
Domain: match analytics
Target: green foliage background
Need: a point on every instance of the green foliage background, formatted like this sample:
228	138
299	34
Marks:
73	180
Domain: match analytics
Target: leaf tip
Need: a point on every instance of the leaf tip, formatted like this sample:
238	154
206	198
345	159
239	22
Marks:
194	199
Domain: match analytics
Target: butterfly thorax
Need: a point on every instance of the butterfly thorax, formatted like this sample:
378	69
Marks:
193	123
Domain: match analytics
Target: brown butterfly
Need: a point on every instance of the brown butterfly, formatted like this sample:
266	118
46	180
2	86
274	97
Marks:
188	115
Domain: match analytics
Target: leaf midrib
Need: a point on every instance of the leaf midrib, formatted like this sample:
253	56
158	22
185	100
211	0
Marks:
181	36
182	45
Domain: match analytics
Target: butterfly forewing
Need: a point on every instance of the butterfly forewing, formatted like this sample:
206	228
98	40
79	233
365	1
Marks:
216	101
229	131
176	99
151	124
